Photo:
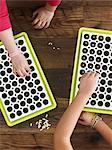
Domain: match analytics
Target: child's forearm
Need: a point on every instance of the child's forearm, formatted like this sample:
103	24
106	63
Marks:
7	38
105	131
69	120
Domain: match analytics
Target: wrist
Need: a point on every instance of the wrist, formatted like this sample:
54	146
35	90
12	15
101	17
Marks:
50	8
83	96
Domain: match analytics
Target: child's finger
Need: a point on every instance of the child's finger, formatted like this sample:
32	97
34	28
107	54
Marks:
43	24
20	73
97	75
47	24
35	21
14	71
35	13
24	72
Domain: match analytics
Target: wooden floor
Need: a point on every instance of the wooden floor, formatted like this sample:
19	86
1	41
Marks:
57	65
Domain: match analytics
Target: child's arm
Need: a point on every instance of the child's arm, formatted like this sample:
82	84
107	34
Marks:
68	121
101	126
20	65
43	16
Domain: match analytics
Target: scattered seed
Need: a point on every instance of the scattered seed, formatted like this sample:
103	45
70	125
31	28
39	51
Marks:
50	43
31	124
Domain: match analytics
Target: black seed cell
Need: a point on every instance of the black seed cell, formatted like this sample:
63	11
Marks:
107	46
4	95
104	67
30	84
10	93
25	110
40	88
16	106
90	65
110	68
14	83
2	73
38	104
0	82
97	66
91	58
26	94
34	75
1	50
23	87
29	61
106	53
100	45
86	36
85	50
101	96
33	91
111	61
12	115
9	109
102	81
94	37
99	52
9	70
103	74
17	90
110	75
7	102
26	55
20	42
5	79
4	57
29	100
45	102
1	89
32	107
22	103
109	90
13	99
94	95
92	51
11	77
110	82
37	82
6	63
8	86
27	78
21	80
83	64
101	38
82	72
20	96
100	103
102	89
1	66
107	104
85	43
108	39
42	95
19	113
93	44
23	48
98	59
36	98
32	68
105	60
93	102
108	97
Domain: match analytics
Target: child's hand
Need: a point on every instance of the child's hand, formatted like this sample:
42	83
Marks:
20	65
86	118
42	18
88	83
